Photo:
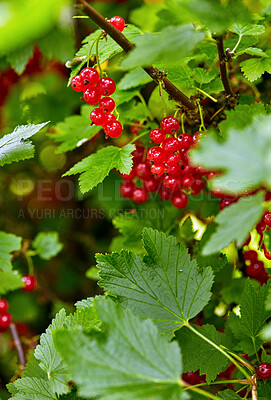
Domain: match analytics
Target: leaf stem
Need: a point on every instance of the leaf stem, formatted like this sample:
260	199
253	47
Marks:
237	44
241	381
202	126
18	344
221	350
97	55
246	364
199	391
206	94
139	136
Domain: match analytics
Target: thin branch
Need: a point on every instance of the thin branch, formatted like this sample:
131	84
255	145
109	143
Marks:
223	72
127	46
17	344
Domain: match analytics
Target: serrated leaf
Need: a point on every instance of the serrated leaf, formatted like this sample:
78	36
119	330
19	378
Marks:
47	245
247	328
74	130
8	244
215	86
10	281
234	156
255	67
166	286
232	294
19	59
34	389
229	394
133	361
58	44
202	75
197	353
171	44
96	167
124	96
136	77
254	51
247	29
235	222
180	75
15	146
241	116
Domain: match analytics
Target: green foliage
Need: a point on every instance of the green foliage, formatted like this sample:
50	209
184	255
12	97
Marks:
165	286
19	58
134	78
96	167
15	146
8	244
131	360
254	68
47	245
10	281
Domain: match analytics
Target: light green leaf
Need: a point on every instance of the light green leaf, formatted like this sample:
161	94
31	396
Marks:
134	78
235	156
229	394
47	245
247	29
165	286
255	67
58	44
10	281
255	51
8	244
34	389
133	361
97	166
19	58
202	75
15	146
171	44
241	116
235	222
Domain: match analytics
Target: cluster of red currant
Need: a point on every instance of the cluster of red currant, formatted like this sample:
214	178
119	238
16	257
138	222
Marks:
30	284
167	168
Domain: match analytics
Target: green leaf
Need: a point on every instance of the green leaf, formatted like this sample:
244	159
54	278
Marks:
234	155
138	16
58	44
15	146
235	222
171	44
97	166
8	244
229	394
74	130
254	51
247	328
19	59
165	286
241	116
134	78
47	245
232	294
247	29
10	281
202	75
197	353
132	361
34	389
254	68
124	96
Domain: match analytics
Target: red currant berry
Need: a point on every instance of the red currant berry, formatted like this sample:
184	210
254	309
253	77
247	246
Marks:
174	171
140	196
138	154
255	269
164	194
157	169
171	144
198	185
267	253
97	116
89	77
5	321
156	155
193	378
127	189
92	96
143	171
197	137
113	129
179	200
264	371
169	125
157	136
150	185
260	228
226	202
108	118
186	169
106	86
267	218
118	23
217	193
185	141
173	159
135	128
187	180
171	184
251	255
3	305
77	83
130	176
107	104
30	283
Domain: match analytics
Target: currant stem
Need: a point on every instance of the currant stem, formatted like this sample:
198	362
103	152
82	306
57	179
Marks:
127	46
206	94
246	364
254	346
202	126
199	391
221	350
89	53
97	55
18	344
139	136
241	381
237	44
182	123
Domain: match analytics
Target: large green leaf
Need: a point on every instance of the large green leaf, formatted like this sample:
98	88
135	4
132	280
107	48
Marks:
8	244
131	361
96	167
165	286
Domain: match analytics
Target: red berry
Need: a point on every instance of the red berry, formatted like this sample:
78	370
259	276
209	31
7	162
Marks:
92	96
118	23
171	144
30	283
143	171
198	185
171	183
267	253
113	129
267	218
180	200
127	189
187	180
264	371
77	83
97	116
5	321
185	141
251	255
3	305
169	125
164	194
172	159
193	378
255	269
175	171
157	169
197	137
217	193
135	128
130	176
138	154
157	136
260	228
140	196
156	154
89	77
107	104
108	118
150	185
106	86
